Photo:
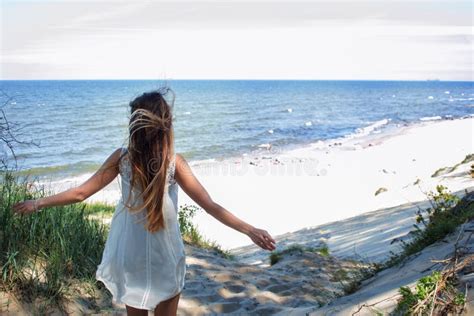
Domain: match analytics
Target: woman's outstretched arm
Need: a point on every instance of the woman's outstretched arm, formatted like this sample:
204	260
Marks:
191	185
107	172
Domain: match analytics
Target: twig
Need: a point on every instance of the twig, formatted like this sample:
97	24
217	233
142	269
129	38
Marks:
373	304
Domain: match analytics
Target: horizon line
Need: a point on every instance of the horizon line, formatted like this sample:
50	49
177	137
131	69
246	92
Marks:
237	79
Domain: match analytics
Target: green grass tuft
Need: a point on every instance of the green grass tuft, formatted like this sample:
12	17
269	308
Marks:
191	234
446	170
41	253
276	256
433	224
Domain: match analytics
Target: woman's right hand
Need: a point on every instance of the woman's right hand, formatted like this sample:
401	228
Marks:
25	207
262	239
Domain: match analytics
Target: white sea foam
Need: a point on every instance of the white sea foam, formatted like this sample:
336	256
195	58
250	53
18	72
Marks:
319	144
266	146
203	161
187	113
369	129
431	118
309	123
463	99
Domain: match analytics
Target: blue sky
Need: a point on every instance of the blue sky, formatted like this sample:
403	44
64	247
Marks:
384	39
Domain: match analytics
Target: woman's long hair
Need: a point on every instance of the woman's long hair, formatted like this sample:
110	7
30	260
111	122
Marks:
150	150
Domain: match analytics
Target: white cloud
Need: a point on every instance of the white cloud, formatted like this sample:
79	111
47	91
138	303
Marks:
325	41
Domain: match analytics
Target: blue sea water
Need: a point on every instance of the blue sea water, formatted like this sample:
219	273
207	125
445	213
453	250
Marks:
77	124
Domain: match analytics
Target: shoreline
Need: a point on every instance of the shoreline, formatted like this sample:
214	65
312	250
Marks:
308	186
373	131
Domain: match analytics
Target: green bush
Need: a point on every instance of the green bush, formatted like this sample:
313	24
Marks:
423	291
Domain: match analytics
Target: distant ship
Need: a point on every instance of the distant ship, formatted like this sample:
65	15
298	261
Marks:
435	79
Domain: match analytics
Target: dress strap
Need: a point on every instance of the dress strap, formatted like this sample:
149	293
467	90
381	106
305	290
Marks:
172	168
123	167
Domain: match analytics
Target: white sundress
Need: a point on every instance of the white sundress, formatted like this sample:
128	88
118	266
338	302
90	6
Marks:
140	268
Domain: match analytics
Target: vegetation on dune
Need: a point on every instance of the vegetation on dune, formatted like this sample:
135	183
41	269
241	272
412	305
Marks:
445	214
276	256
42	254
99	208
191	234
442	292
438	291
47	256
434	294
380	190
446	170
348	273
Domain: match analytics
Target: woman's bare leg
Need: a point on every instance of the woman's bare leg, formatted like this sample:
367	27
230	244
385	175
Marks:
132	311
168	307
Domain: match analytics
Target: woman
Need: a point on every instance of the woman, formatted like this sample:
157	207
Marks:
143	264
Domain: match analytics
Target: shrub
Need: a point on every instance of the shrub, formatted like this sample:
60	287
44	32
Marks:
428	290
42	252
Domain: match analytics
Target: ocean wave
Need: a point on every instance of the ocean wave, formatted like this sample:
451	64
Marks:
430	118
61	170
364	131
266	146
462	99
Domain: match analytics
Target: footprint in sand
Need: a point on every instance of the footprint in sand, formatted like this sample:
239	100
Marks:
208	298
235	288
225	307
267	311
277	288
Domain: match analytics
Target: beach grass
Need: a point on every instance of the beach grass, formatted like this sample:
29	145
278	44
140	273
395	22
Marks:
50	256
99	208
276	256
42	254
446	213
191	234
446	170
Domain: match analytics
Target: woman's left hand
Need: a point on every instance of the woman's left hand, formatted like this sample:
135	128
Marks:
262	239
26	207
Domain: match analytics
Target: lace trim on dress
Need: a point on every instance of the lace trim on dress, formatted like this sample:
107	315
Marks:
125	169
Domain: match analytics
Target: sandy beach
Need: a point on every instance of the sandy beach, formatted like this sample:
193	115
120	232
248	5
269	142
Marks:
285	191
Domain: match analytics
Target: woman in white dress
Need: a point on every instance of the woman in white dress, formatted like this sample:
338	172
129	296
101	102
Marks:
143	263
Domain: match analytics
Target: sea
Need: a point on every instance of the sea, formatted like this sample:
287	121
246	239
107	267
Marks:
69	127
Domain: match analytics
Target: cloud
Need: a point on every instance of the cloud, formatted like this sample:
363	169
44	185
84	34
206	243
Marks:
229	39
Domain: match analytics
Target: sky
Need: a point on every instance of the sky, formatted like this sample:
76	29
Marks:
335	40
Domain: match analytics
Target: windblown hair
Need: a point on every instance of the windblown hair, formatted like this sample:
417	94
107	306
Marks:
150	150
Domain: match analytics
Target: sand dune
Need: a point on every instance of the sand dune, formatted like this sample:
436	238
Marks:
330	201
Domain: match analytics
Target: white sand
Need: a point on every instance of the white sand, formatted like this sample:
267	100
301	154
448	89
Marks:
285	202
